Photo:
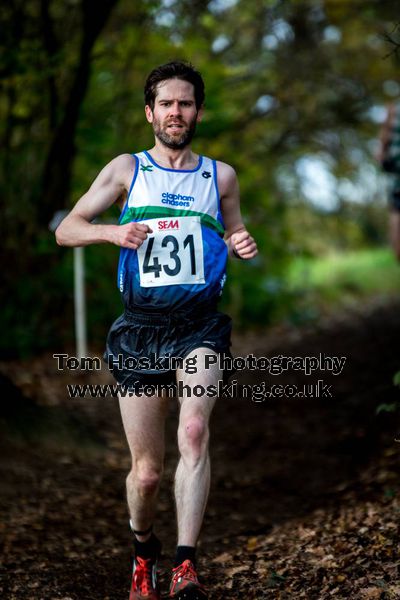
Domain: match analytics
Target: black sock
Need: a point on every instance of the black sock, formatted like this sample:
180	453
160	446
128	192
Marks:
151	548
185	553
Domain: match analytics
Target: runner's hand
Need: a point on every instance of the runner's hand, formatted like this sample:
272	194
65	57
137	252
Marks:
243	245
131	235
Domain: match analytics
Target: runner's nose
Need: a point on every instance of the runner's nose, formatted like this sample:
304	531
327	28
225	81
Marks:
175	109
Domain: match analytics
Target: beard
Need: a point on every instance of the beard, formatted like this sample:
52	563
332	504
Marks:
178	140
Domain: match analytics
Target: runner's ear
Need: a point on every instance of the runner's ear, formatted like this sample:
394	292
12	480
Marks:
148	113
200	113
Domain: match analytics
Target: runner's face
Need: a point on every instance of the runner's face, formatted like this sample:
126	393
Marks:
175	115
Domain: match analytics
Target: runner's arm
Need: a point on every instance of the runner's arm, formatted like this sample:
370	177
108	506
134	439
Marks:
239	241
109	187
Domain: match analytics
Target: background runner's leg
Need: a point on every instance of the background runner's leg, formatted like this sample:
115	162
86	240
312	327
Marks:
394	232
192	478
144	423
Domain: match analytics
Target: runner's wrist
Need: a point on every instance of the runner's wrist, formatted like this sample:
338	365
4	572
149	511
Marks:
108	233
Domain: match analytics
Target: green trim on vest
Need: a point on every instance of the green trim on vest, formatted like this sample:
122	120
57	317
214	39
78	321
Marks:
154	212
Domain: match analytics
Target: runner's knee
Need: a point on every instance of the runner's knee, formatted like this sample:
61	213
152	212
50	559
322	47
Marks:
145	478
193	437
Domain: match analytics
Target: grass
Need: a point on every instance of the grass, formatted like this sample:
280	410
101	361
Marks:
342	277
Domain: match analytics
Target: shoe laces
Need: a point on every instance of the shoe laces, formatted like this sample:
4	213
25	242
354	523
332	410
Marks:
185	570
142	575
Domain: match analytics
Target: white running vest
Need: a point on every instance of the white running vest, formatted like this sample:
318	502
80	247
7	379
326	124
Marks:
183	260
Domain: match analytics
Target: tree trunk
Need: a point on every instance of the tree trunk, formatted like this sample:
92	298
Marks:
58	168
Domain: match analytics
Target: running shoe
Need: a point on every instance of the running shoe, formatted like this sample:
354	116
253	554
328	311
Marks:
185	584
144	579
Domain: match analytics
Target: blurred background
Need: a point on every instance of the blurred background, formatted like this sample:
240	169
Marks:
295	94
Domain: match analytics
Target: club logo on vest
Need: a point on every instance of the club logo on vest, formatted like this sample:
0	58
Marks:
146	168
176	199
206	174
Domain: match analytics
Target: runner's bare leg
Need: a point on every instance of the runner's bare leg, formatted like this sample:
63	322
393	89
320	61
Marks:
192	478
144	423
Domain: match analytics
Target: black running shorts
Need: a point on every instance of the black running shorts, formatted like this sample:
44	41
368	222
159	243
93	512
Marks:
142	346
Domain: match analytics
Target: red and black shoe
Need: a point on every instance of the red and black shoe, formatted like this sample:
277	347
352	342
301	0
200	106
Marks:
144	579
185	584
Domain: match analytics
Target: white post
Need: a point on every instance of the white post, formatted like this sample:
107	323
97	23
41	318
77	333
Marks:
80	304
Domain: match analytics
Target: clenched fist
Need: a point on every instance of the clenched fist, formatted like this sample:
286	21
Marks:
130	235
243	245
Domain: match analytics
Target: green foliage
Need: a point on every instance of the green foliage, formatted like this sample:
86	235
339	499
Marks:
386	408
393	406
339	279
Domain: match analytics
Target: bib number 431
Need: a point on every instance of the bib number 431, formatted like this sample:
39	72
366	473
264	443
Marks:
173	253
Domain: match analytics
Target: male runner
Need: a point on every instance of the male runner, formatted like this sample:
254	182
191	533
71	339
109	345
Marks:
180	219
389	158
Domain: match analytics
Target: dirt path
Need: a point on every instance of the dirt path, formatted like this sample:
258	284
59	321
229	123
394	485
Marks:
305	493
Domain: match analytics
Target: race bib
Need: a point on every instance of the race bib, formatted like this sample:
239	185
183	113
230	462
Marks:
173	253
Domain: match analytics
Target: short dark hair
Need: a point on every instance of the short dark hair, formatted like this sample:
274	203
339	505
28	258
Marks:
174	70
